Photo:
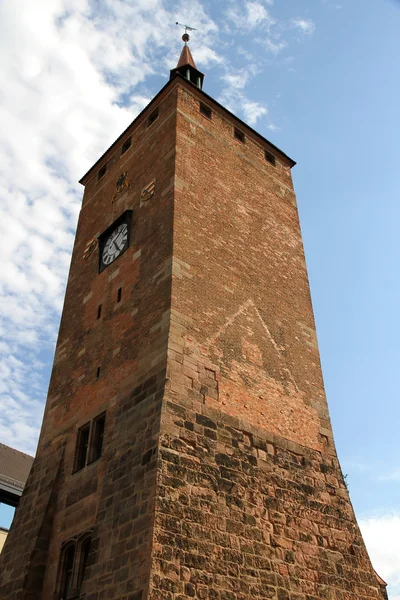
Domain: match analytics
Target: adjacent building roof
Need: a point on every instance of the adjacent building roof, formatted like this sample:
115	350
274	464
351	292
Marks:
14	471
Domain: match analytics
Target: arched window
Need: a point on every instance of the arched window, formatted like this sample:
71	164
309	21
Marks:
83	558
68	560
73	563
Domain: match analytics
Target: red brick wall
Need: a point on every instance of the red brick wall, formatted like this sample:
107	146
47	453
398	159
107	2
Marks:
219	478
242	282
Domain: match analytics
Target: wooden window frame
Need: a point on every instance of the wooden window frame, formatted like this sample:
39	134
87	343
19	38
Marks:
93	453
78	458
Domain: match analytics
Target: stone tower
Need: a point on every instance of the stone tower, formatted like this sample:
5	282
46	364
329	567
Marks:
186	448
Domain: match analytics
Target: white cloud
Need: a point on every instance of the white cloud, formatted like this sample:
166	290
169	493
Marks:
73	78
251	15
236	100
382	538
256	14
236	80
305	26
253	111
274	46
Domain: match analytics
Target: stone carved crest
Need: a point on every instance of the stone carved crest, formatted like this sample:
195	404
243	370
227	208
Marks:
148	191
122	184
90	247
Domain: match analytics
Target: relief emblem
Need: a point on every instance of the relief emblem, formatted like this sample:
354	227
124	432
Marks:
148	192
122	184
90	247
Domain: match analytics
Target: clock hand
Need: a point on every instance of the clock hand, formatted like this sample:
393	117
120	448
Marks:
119	241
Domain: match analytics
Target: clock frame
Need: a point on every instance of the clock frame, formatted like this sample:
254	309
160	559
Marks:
110	249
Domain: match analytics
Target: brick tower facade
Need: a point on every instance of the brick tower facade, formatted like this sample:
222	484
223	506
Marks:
186	449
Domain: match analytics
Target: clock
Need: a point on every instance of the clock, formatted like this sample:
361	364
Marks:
115	244
115	240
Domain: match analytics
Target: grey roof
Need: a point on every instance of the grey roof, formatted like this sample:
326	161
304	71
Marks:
14	467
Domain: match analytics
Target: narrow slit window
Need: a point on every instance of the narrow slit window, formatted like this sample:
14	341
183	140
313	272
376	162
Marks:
126	145
98	437
82	444
98	372
153	117
99	311
205	110
269	157
239	135
119	295
102	171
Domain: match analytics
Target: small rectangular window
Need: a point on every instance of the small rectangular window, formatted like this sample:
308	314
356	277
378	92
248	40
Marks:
102	171
239	135
98	436
205	110
269	157
98	373
153	117
126	145
82	444
99	311
119	295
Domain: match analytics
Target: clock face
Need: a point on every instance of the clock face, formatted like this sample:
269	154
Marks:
115	244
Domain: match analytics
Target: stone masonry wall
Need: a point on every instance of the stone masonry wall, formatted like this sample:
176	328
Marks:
244	514
251	502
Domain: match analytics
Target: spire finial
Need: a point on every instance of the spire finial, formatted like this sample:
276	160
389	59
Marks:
186	66
186	36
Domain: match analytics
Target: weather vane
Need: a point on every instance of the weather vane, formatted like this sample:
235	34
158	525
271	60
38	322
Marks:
186	36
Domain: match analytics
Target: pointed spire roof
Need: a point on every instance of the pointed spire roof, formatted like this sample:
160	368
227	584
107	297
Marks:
186	66
186	58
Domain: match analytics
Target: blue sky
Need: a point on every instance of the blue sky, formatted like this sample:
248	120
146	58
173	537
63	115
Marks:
319	78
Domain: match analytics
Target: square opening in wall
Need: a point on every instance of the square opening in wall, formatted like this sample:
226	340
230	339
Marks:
102	172
205	110
126	145
153	117
239	135
269	157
